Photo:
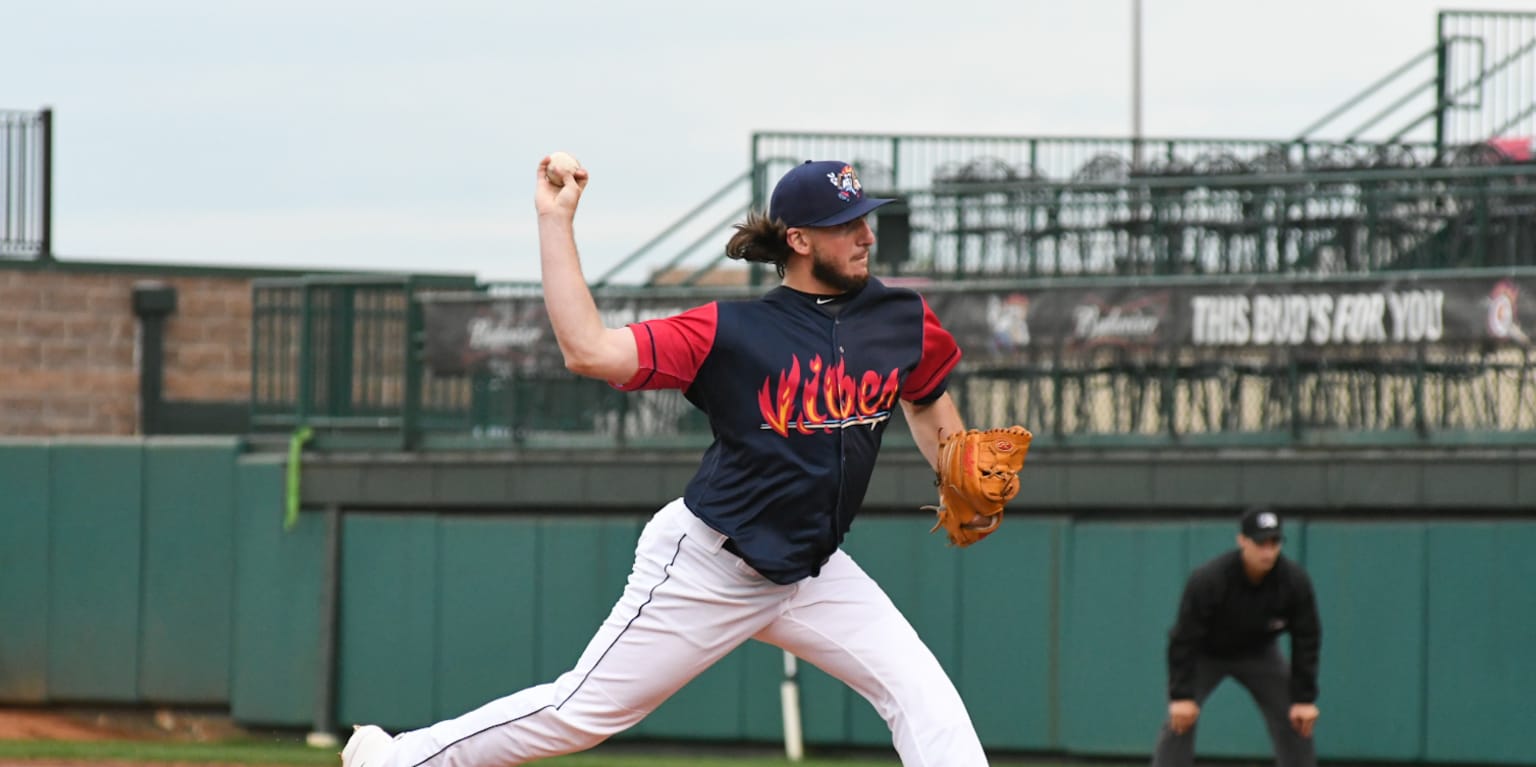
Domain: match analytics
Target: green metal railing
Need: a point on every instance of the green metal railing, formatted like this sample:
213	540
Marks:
1053	206
1430	395
339	354
343	357
1346	221
1438	396
896	162
904	165
1356	211
1473	84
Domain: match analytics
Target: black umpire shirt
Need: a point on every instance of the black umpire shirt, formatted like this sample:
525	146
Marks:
1225	615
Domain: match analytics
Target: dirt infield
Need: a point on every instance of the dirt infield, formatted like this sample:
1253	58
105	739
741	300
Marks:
148	727
79	725
47	725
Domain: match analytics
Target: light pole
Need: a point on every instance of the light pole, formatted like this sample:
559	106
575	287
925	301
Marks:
1136	84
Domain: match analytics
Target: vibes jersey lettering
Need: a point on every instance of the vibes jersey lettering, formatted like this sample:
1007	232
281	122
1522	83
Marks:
827	398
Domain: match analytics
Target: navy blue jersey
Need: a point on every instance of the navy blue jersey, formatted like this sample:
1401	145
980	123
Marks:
798	395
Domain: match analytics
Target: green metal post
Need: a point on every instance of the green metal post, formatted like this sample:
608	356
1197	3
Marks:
755	271
339	364
1030	253
259	362
1293	381
1480	248
415	331
1442	84
621	430
45	244
1169	404
1371	195
1520	382
1057	398
306	354
1420	417
324	716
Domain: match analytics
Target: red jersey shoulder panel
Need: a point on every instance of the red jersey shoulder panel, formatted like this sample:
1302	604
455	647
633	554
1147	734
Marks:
673	348
940	355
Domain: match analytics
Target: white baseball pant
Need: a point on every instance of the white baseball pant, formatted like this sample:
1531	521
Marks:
688	603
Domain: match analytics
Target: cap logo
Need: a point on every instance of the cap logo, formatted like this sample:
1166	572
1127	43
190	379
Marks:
847	183
1268	521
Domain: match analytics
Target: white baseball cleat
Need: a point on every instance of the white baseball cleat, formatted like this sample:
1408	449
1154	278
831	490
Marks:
369	746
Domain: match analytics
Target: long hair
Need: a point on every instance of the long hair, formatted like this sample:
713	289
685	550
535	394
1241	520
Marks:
760	239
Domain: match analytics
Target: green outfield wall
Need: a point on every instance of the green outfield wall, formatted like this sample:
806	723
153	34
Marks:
159	572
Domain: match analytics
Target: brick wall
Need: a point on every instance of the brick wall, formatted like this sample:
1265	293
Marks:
69	339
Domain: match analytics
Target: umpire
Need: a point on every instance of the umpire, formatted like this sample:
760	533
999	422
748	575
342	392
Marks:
1233	609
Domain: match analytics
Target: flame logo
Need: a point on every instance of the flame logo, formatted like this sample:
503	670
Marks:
827	397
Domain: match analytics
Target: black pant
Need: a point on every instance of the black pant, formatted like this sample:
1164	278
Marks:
1268	678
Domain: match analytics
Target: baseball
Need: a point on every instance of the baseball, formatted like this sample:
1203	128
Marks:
560	163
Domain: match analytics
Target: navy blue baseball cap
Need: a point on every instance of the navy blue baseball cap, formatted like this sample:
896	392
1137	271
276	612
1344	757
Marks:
825	193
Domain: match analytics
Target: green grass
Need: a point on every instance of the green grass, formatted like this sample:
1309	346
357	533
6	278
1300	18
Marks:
277	751
274	752
289	752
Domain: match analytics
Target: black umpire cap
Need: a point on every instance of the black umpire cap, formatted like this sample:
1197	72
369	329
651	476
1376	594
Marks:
1261	524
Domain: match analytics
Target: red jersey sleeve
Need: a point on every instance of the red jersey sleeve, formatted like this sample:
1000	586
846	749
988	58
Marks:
940	355
672	349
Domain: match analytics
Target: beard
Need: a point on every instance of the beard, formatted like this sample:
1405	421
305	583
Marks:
827	273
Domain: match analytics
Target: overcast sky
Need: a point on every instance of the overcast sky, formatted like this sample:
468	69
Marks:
393	135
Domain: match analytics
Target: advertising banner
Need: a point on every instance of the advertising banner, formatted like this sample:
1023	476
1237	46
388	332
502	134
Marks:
506	335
